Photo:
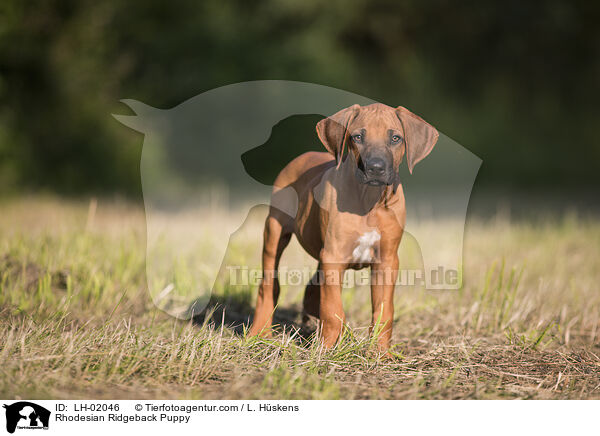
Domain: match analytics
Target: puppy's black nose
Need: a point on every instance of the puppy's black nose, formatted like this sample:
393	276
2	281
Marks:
375	166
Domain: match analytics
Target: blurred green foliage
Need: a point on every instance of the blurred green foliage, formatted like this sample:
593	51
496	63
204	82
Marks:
515	82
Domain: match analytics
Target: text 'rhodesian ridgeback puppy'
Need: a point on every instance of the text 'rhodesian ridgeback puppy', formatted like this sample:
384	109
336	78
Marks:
350	213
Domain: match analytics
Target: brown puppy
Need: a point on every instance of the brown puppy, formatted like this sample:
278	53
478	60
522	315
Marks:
350	213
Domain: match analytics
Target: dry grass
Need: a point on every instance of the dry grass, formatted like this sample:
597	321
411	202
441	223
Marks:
76	320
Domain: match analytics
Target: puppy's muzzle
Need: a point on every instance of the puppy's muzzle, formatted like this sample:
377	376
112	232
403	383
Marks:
377	172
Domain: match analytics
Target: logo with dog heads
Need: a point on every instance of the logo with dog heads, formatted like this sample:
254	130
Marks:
26	415
200	193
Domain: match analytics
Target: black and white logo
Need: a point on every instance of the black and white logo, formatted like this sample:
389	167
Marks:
26	415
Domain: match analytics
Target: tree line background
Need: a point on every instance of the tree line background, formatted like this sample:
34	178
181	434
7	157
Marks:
515	82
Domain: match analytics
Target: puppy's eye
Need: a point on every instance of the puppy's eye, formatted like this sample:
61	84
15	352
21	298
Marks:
357	138
396	139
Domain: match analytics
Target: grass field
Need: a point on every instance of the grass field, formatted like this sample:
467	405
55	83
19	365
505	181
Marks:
77	321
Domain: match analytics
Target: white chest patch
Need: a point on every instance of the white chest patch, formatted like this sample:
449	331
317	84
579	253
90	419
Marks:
364	251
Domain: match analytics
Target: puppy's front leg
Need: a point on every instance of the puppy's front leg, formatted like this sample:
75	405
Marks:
383	283
276	238
331	311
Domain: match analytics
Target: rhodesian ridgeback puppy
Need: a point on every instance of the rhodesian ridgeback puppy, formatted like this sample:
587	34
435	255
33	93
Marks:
350	213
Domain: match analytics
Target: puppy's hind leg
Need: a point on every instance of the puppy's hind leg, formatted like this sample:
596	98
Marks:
277	234
312	296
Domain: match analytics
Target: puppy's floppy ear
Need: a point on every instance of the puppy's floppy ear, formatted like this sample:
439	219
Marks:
333	131
419	136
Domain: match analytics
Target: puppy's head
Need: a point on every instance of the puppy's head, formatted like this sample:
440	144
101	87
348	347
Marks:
378	136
